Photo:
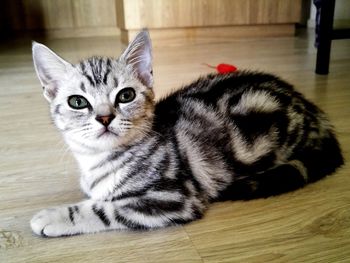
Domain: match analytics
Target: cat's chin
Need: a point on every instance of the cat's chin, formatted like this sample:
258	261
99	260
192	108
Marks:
107	141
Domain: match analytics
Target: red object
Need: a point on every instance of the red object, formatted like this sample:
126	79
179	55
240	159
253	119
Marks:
223	68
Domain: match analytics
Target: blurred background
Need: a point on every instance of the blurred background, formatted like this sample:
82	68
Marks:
176	20
274	36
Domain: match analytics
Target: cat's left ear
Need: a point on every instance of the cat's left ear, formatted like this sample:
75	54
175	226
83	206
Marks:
50	69
139	56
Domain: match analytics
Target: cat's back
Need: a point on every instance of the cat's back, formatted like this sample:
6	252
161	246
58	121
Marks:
233	125
218	93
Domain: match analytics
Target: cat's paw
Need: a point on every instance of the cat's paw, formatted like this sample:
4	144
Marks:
52	222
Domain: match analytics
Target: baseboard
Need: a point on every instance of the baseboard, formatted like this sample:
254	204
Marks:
338	23
311	23
216	34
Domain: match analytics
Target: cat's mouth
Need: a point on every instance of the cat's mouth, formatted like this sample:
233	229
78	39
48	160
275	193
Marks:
106	132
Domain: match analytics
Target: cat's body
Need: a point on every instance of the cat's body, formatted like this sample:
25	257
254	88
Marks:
235	136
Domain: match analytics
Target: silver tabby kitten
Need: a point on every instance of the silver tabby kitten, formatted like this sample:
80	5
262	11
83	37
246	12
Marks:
148	165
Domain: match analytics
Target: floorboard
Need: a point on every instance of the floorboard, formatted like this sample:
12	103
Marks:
36	170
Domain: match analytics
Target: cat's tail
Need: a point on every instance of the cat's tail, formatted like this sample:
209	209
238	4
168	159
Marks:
306	167
322	161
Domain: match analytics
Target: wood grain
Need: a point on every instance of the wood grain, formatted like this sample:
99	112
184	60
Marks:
137	14
59	19
91	13
36	171
205	21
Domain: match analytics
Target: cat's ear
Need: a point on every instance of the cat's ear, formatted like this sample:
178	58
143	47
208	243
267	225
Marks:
139	56
50	69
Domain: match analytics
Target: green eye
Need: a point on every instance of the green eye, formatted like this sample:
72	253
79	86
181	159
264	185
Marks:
78	102
126	95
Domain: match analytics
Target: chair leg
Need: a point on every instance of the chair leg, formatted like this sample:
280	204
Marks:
325	37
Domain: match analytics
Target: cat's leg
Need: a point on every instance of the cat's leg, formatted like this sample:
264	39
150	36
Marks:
87	216
94	216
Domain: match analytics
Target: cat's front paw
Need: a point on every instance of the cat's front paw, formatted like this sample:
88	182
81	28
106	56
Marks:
52	222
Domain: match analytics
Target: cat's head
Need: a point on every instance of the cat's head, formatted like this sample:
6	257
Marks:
100	103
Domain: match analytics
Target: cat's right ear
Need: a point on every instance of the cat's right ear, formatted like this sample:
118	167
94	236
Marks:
50	69
139	56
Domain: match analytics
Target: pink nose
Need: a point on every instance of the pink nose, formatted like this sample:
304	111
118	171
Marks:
105	120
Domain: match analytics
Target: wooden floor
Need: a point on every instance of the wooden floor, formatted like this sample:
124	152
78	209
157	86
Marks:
37	171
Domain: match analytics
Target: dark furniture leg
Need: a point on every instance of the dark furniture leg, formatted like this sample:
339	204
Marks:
325	36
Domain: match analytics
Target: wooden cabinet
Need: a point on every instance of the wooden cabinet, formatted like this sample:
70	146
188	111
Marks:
169	21
59	18
207	20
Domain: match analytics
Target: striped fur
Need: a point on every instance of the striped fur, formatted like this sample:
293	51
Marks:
242	135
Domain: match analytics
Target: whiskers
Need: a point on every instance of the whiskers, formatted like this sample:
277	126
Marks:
141	127
85	132
61	150
121	131
144	128
125	125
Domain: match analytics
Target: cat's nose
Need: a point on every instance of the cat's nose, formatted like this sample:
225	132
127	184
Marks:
105	120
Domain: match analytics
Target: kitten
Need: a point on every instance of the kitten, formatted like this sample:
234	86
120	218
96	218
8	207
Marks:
148	165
